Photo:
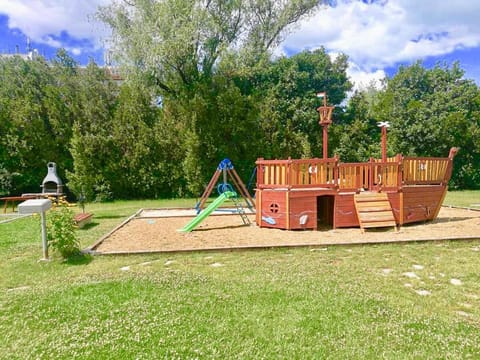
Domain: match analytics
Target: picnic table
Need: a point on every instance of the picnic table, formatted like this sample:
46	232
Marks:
13	199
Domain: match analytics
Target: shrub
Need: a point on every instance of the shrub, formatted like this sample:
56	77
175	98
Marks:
103	192
61	232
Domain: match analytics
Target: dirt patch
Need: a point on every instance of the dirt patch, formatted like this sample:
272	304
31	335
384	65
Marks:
159	234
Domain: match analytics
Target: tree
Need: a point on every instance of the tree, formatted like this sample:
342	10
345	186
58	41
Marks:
192	52
34	125
179	42
359	135
288	109
63	106
92	144
139	157
431	111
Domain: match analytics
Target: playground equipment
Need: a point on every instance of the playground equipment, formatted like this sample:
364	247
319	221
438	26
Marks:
226	169
214	205
300	193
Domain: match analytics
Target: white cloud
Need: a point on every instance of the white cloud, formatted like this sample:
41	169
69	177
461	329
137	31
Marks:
50	41
385	33
45	20
75	51
375	35
363	79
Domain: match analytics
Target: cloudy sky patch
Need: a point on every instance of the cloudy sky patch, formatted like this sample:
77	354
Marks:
377	35
382	34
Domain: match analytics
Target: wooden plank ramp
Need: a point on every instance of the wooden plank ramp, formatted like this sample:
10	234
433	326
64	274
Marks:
374	210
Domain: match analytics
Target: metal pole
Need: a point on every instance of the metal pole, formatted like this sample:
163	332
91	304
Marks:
44	236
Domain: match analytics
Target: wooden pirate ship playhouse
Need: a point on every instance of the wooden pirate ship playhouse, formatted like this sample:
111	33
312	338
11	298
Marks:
303	193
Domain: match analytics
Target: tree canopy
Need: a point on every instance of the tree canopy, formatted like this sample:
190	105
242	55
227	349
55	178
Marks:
430	111
176	43
210	63
35	126
201	84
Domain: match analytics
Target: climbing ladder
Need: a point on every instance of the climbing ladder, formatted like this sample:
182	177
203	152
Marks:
241	210
374	210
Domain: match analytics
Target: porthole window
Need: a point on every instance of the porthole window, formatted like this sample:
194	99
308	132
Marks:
274	208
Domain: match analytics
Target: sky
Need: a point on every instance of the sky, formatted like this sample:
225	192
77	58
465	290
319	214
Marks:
377	35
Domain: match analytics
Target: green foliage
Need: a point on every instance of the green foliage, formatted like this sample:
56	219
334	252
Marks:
431	111
92	145
33	131
179	42
197	56
61	231
359	136
222	95
6	180
288	103
102	191
219	122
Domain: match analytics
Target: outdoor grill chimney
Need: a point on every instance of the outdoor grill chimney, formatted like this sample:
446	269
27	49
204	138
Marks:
52	184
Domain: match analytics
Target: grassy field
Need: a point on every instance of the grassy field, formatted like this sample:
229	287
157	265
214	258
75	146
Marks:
409	301
469	199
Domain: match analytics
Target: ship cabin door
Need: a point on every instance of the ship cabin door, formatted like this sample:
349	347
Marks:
325	207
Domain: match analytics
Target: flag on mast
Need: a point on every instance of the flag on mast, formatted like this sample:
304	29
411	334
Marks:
321	94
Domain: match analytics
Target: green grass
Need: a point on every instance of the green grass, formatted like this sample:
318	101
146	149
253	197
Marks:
465	198
336	303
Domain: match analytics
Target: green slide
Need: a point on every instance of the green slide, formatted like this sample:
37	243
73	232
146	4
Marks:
200	217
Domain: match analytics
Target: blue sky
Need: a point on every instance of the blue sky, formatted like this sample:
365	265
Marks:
377	35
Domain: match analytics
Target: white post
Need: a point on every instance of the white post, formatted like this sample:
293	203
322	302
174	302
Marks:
34	206
44	236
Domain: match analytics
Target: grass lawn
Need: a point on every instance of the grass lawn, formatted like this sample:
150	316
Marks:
470	199
405	301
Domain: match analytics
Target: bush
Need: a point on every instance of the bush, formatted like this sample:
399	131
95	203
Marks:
103	192
61	232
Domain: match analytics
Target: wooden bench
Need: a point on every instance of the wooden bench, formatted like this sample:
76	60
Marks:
82	219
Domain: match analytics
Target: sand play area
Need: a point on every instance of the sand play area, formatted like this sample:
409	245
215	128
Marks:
156	231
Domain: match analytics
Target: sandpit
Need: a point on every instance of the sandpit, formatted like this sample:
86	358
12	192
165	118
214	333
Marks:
156	231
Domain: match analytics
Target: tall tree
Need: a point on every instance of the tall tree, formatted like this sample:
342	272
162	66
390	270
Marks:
191	52
179	42
34	122
358	133
288	111
432	110
140	159
92	144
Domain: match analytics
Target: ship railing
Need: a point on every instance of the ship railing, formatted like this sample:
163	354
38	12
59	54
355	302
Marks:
374	175
297	173
425	170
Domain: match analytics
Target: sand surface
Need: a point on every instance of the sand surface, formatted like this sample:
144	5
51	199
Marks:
156	230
